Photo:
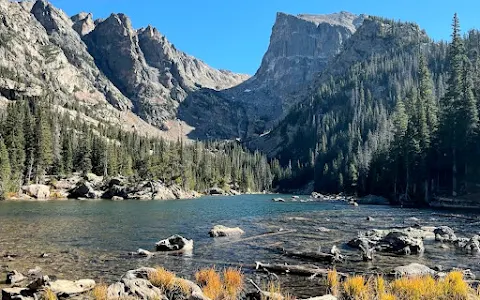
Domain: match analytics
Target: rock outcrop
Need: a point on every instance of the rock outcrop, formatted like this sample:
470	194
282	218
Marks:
300	47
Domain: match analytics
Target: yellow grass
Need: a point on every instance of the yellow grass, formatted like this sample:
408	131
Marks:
211	283
333	282
275	291
48	294
100	292
451	287
162	278
233	282
184	287
356	288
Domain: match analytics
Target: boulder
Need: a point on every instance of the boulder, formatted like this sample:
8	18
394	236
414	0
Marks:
174	243
118	191
38	191
216	191
373	200
401	243
116	198
141	273
67	288
38	282
445	234
17	294
94	179
14	277
278	200
143	252
84	190
134	289
353	203
222	231
235	193
414	269
473	245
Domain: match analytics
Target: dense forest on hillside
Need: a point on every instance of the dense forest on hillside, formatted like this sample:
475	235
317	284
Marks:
403	124
38	140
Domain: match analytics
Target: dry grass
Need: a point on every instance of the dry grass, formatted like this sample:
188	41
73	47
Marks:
274	290
356	288
48	294
100	292
162	278
233	281
184	287
211	283
333	282
451	287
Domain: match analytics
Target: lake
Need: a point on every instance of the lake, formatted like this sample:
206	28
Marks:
92	239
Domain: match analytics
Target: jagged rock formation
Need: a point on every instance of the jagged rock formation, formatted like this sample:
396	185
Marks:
122	73
300	47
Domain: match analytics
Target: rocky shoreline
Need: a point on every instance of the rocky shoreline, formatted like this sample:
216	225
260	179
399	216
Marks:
91	187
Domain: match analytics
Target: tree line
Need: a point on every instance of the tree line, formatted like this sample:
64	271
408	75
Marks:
403	124
38	141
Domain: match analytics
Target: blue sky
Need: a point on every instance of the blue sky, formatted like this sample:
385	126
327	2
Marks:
234	34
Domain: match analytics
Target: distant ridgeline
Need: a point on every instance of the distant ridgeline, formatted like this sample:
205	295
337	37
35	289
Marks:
36	140
402	121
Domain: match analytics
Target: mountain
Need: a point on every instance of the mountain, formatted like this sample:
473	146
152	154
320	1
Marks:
300	47
102	70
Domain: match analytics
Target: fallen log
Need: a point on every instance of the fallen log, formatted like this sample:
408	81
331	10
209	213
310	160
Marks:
332	257
302	270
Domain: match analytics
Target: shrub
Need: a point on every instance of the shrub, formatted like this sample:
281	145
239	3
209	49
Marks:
333	282
210	282
233	282
100	292
356	288
48	294
162	278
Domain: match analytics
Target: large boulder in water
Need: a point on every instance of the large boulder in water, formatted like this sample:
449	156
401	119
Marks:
400	243
414	269
221	231
445	234
473	245
174	243
38	191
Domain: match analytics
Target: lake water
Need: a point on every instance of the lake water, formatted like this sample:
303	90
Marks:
91	239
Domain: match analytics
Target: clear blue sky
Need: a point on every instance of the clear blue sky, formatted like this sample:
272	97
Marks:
234	34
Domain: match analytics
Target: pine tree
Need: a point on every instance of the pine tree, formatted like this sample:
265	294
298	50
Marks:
5	170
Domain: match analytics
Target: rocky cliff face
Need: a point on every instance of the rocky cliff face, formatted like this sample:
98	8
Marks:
130	77
300	47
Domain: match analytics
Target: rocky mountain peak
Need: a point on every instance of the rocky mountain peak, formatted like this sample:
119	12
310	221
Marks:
83	23
49	16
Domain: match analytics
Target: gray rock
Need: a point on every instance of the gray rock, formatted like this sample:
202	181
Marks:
222	231
473	245
143	252
216	191
17	294
445	234
134	289
14	277
414	269
38	282
84	190
117	198
67	288
141	273
38	191
401	243
174	243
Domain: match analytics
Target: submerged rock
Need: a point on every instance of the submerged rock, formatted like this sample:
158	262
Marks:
222	231
174	243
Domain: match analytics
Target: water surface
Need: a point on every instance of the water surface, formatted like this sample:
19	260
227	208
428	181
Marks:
91	239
